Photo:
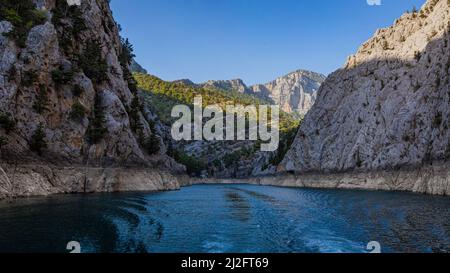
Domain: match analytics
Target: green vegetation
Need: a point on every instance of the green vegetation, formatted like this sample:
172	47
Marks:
133	113
286	140
38	143
3	141
23	15
193	165
77	90
29	78
161	96
92	62
78	112
125	58
61	76
70	28
41	102
97	130
437	121
151	144
234	158
7	122
12	73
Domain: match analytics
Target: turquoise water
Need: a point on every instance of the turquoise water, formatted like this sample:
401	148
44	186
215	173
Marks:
228	218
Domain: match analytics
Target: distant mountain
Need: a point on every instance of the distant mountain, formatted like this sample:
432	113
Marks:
235	85
186	82
295	92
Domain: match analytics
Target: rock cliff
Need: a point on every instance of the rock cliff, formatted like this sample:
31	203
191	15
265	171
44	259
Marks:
388	108
67	97
295	92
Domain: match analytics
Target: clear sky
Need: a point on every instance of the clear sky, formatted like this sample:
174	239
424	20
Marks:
255	40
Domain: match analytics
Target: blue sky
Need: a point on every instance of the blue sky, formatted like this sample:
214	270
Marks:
255	40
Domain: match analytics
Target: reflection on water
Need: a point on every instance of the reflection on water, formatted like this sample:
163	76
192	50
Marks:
228	218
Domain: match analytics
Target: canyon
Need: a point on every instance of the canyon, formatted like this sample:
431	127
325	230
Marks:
72	119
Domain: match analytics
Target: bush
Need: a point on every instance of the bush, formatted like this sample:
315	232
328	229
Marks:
437	121
23	15
133	113
38	143
78	112
125	58
152	144
193	166
97	131
71	27
92	62
29	78
77	90
126	55
61	77
3	141
12	73
7	123
41	102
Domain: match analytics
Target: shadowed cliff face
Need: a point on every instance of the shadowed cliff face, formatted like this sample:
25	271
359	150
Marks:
71	76
388	107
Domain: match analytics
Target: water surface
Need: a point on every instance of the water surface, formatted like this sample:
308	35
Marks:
228	218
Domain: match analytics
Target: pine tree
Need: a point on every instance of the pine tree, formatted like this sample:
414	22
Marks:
38	143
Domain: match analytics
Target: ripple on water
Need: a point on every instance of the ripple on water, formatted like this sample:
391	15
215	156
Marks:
229	218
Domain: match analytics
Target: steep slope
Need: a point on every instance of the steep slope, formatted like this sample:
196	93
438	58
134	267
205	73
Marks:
230	159
295	92
389	107
67	97
136	67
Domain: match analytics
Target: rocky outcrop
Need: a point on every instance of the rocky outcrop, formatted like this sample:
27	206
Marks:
40	180
70	82
387	108
295	92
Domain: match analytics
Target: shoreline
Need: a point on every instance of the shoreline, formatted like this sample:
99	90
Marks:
44	180
426	179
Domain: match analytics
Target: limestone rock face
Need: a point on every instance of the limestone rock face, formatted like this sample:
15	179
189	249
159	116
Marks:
295	92
388	107
26	71
42	180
